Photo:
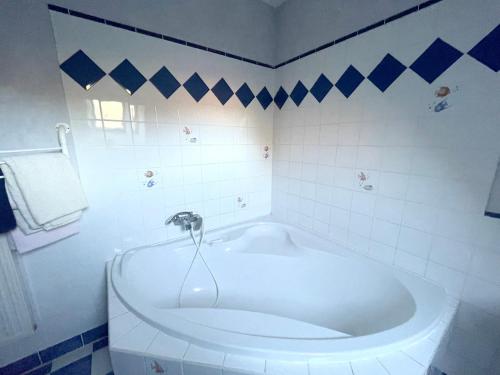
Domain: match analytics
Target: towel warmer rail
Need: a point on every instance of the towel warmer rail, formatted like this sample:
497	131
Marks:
62	130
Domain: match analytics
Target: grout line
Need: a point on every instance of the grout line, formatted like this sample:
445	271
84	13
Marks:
381	364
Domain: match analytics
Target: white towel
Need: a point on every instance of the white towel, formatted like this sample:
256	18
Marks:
26	242
44	190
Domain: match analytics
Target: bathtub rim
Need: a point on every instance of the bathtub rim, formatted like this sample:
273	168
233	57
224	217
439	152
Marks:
420	325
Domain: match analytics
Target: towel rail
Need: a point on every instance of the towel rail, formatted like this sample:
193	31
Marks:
62	130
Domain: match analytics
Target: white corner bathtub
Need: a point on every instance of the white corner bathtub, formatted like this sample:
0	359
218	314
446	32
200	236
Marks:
281	293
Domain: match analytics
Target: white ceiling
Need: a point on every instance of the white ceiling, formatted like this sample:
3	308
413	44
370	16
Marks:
274	3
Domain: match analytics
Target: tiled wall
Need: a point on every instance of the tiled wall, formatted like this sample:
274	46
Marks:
392	170
184	139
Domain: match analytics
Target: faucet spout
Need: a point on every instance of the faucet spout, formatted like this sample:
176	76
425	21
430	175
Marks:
187	220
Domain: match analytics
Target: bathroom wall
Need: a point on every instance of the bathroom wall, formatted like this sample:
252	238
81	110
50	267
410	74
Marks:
31	93
402	173
113	152
144	156
193	20
304	25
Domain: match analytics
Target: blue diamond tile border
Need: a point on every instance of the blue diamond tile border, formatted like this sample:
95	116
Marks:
245	95
222	91
349	81
487	51
321	88
431	64
435	60
298	93
264	98
196	87
128	77
82	69
386	72
280	97
165	82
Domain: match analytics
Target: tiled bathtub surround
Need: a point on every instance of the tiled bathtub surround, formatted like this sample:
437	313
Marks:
377	165
138	348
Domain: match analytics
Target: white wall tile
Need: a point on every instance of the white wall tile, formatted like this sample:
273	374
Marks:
389	209
486	265
415	242
452	280
363	203
451	253
410	262
360	224
385	232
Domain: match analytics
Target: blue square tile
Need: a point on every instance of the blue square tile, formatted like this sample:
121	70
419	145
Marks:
264	98
386	72
298	93
196	87
60	349
435	60
321	88
245	95
83	70
280	97
81	367
222	91
21	365
487	51
102	343
95	333
128	77
349	81
165	82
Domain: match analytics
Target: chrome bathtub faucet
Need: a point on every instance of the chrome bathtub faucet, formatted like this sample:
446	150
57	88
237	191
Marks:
187	220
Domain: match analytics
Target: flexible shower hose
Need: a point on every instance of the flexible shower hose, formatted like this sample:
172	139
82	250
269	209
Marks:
197	245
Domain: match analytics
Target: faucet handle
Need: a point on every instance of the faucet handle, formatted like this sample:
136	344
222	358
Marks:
179	218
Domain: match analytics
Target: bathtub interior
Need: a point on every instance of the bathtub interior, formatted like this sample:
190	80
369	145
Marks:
268	285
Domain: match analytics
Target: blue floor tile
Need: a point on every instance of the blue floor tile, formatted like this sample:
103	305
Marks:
60	349
95	333
81	367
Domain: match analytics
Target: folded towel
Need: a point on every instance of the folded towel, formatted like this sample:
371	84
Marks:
27	242
7	219
44	189
25	227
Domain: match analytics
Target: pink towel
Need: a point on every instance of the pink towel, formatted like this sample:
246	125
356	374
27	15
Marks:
27	242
